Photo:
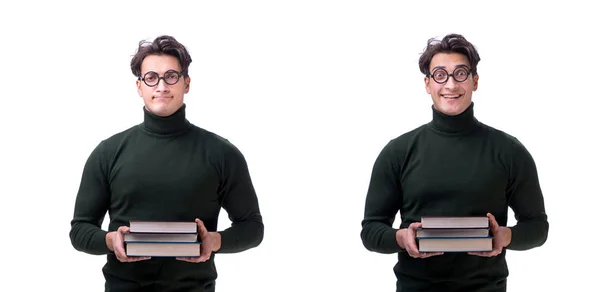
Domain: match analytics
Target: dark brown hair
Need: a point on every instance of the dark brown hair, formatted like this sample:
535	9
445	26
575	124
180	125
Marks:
452	43
162	45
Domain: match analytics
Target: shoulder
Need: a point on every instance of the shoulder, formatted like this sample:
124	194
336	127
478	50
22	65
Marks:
111	144
405	141
397	149
502	138
122	135
512	148
113	141
212	138
107	148
216	143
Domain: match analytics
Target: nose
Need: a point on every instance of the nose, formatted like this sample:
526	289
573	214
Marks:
451	83
162	86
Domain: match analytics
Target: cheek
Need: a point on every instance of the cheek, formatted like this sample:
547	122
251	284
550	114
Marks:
433	90
469	89
180	91
146	92
429	89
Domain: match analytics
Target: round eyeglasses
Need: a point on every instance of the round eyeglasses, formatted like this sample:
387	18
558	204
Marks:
151	78
440	75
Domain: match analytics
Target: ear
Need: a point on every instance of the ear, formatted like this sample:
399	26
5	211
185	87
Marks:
138	84
187	84
475	82
427	85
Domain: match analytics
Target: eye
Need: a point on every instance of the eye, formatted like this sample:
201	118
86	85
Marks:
439	75
172	76
461	72
150	77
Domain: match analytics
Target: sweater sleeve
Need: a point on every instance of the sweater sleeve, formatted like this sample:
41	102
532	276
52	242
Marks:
240	201
382	204
526	200
91	204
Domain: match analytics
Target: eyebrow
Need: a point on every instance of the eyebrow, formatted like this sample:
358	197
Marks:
444	67
169	70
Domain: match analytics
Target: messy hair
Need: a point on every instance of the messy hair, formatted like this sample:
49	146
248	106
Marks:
452	43
162	45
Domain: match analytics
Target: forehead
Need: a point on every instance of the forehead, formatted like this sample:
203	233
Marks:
160	64
448	61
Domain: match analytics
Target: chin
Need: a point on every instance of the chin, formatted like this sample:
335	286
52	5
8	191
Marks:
452	109
161	109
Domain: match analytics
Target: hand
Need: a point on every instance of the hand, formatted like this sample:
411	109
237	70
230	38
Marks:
115	243
406	240
502	237
211	242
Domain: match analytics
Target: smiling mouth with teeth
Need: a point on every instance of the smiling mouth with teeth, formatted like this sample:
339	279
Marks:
448	96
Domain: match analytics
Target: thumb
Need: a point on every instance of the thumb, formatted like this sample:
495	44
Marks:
416	225
493	222
201	228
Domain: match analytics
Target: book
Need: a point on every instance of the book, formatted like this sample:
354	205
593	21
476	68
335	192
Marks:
428	222
162	239
163	249
141	226
455	244
454	234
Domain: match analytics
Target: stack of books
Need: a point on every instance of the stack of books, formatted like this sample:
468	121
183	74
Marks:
162	239
454	234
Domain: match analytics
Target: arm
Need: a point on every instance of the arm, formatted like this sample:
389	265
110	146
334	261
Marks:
382	204
525	198
91	204
239	199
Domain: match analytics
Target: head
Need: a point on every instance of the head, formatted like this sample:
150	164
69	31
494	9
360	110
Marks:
450	68
161	67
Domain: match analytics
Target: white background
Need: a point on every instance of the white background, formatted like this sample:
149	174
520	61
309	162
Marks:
310	91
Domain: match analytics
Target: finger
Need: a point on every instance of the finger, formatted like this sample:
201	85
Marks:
123	257
481	253
118	246
205	246
410	243
201	228
412	248
493	222
430	254
205	251
189	259
484	254
137	259
413	226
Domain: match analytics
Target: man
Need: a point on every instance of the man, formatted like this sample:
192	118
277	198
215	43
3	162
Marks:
164	169
453	166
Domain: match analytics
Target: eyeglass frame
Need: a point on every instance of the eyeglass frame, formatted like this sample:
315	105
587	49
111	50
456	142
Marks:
142	78
469	72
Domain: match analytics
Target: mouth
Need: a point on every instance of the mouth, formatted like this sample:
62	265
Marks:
451	96
161	97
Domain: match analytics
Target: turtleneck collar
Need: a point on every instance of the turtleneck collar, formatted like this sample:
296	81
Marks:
461	123
174	124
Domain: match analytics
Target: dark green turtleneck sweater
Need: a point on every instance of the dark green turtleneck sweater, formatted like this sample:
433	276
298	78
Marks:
453	166
165	169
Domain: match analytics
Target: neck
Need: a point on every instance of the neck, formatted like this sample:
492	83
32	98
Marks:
169	125
461	123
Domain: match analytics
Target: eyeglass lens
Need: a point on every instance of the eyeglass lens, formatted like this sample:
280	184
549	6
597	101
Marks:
459	74
151	78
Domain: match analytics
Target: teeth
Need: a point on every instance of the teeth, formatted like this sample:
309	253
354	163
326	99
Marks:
450	96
